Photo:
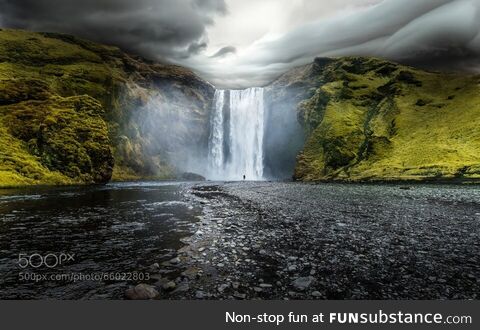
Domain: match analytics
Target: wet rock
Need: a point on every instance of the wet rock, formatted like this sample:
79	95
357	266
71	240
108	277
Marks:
182	287
292	268
157	277
239	295
303	283
169	286
223	287
200	295
316	294
175	261
142	292
191	273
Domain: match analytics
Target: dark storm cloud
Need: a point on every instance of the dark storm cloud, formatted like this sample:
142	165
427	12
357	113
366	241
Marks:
152	28
224	51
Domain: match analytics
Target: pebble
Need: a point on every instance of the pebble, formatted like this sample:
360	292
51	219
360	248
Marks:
239	295
316	294
169	286
292	268
223	287
302	283
200	295
175	261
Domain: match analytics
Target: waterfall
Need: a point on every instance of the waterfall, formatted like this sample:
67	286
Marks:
236	139
215	147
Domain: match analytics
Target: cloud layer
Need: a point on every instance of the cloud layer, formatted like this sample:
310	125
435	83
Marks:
160	29
435	34
441	34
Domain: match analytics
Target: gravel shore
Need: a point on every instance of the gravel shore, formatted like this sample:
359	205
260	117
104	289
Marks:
329	241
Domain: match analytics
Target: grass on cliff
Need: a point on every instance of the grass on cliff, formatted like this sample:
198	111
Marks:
65	136
371	119
19	168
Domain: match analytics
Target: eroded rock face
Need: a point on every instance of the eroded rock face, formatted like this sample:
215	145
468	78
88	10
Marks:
369	119
72	111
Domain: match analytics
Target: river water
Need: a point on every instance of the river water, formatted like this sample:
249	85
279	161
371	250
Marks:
118	230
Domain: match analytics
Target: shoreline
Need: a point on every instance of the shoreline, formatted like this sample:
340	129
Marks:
433	181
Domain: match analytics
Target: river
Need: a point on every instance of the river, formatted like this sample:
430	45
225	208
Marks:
117	228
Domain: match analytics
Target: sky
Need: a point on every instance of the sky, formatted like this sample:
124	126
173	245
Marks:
245	43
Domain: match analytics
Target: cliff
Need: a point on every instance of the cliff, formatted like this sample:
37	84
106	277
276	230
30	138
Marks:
72	111
370	119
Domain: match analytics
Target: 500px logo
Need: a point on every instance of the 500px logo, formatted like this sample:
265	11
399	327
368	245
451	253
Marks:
50	260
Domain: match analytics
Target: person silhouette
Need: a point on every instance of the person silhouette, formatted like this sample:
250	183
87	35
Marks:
244	177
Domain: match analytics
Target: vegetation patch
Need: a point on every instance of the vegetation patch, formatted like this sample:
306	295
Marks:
70	111
371	119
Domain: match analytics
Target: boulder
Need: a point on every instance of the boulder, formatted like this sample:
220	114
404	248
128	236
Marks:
141	292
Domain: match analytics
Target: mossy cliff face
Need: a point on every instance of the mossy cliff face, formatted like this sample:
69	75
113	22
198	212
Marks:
369	119
72	111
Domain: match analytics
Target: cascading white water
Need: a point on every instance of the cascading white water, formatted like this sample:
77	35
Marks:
236	141
215	145
246	134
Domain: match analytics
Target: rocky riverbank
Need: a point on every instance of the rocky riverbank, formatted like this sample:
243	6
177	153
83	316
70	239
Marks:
329	241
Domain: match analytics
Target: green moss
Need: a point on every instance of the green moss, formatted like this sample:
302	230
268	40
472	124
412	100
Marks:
67	135
18	167
373	127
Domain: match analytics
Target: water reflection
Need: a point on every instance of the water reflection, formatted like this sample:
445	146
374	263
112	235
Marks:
113	228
